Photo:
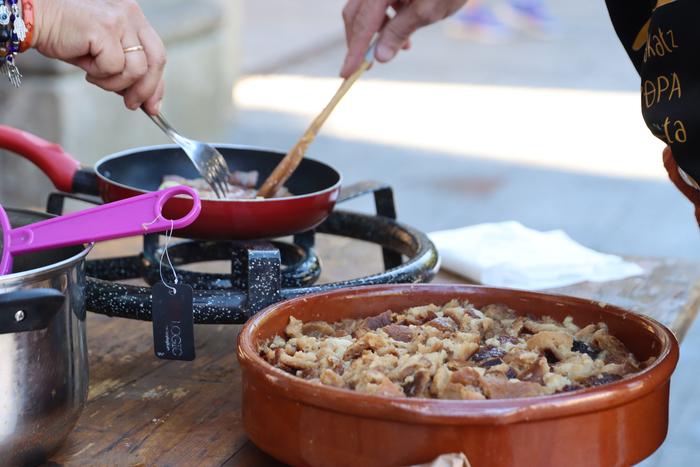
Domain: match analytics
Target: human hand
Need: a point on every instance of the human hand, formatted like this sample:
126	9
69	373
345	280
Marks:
93	35
364	18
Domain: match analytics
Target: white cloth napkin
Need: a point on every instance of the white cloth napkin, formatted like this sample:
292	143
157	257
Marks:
508	254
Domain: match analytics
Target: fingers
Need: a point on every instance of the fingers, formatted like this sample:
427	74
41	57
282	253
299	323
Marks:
366	22
141	79
104	59
149	88
397	32
134	67
363	18
349	13
95	39
153	103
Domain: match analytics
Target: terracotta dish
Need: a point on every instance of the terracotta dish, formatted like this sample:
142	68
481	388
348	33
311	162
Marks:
305	423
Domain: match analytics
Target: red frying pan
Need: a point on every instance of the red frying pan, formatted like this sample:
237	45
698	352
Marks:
129	173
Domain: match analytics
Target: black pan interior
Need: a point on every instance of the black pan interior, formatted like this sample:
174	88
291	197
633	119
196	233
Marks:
145	169
20	263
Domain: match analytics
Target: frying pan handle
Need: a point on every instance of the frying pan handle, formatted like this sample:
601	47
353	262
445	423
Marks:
85	181
58	165
28	310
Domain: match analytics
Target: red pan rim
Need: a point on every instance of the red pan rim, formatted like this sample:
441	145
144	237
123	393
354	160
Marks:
127	152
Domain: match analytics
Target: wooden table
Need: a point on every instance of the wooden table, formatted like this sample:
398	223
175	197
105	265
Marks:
142	410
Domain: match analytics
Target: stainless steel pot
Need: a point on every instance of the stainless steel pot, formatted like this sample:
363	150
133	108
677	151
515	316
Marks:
43	351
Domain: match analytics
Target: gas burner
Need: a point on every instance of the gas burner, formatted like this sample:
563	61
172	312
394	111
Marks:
299	263
262	272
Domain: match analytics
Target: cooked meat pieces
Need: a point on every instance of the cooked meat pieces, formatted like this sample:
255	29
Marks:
241	185
399	332
379	321
454	351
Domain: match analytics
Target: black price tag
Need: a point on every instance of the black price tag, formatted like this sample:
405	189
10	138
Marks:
173	324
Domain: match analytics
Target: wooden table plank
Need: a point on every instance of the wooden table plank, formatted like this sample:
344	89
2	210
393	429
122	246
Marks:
251	456
142	410
668	291
145	410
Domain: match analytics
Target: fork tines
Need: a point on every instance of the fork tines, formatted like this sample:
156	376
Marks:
218	174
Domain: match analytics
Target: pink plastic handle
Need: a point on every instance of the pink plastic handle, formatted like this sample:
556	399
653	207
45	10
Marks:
129	217
5	257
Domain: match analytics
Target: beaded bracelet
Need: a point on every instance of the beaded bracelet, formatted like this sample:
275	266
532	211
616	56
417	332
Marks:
12	32
28	18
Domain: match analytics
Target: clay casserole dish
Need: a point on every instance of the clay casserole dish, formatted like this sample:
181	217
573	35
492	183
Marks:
304	423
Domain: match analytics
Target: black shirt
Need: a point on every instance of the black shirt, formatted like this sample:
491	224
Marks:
662	38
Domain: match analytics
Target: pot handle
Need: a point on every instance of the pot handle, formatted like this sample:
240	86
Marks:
28	310
57	164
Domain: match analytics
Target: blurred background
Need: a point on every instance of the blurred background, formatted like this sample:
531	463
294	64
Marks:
538	123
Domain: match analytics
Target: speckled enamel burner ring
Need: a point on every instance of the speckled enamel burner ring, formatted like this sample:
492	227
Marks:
262	272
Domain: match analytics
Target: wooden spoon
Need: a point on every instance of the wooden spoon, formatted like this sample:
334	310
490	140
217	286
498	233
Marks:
291	161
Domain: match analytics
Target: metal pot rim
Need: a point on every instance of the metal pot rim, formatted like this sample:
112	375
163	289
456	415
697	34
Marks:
18	277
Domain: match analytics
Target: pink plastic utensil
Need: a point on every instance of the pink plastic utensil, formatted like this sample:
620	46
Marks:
129	217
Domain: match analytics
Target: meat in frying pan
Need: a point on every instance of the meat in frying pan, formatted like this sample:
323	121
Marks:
241	185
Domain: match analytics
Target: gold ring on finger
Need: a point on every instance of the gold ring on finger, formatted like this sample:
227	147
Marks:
133	48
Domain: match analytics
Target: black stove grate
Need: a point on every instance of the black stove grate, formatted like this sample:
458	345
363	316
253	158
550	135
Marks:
262	272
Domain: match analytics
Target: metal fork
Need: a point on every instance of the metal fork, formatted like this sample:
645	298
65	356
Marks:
209	162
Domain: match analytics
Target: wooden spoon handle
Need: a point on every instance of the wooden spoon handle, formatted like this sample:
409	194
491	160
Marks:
294	157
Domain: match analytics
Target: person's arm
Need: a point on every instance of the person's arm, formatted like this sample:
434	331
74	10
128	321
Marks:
364	18
97	36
